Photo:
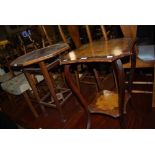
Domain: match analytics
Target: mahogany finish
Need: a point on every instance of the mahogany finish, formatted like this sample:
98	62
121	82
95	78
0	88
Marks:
73	30
98	51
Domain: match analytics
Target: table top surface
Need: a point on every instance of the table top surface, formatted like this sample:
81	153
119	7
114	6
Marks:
39	55
100	51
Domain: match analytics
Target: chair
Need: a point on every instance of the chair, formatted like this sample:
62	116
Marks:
19	85
15	82
143	52
29	39
5	77
2	72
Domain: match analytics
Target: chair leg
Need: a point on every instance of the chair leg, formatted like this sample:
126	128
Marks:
11	98
30	104
97	79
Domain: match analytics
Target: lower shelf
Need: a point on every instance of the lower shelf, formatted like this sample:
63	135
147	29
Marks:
107	103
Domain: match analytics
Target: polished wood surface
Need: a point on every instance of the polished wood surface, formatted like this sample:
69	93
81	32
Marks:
107	103
76	37
100	51
40	55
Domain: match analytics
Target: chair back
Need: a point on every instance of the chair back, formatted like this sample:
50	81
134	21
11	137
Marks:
78	33
102	29
53	38
129	31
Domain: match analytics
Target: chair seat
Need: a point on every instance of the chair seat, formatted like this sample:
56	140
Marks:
8	76
2	72
107	104
18	84
140	64
146	52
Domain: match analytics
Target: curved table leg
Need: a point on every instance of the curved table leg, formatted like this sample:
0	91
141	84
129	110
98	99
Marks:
77	93
120	86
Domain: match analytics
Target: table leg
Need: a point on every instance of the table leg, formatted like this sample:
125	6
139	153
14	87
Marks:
28	101
51	87
35	91
120	86
78	94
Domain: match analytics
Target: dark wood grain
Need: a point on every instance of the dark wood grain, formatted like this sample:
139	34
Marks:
100	52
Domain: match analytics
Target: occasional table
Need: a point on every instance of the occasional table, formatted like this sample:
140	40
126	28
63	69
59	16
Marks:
101	51
46	58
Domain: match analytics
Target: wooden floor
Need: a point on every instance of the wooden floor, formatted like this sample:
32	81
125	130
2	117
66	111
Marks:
139	115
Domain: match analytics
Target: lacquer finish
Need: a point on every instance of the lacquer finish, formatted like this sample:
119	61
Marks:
100	51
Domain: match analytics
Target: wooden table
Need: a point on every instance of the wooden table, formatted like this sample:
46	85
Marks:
100	52
40	57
